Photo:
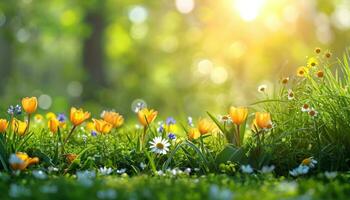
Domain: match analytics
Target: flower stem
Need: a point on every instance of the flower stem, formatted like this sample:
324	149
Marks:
27	127
69	135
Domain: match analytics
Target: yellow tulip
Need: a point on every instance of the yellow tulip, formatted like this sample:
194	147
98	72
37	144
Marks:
29	104
146	116
102	126
238	115
19	126
263	120
90	126
26	161
113	118
193	134
205	126
3	125
78	116
53	125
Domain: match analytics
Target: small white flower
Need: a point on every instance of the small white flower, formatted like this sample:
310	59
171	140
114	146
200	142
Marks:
313	113
262	88
105	171
267	169
305	108
300	170
143	165
159	145
330	175
160	173
290	94
247	169
52	169
39	174
188	170
121	171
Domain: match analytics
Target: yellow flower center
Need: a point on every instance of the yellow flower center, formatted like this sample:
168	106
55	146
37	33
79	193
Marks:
160	146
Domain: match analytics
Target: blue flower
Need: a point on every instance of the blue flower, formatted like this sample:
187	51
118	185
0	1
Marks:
170	121
14	110
172	136
61	117
93	133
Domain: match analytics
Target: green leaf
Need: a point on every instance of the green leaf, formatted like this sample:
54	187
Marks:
231	153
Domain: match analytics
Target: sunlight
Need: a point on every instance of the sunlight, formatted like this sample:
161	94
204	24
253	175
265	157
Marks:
248	9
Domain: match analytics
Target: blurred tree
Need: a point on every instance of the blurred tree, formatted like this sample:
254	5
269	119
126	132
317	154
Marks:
93	50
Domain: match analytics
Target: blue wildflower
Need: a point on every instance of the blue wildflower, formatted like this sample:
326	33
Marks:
93	133
61	117
14	110
170	121
172	136
160	129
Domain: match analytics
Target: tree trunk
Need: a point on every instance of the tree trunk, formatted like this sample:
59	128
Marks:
93	55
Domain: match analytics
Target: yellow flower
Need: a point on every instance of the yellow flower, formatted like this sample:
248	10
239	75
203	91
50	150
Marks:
53	125
146	116
25	161
306	161
320	74
302	71
113	118
263	120
285	80
328	54
102	126
317	50
90	126
3	125
29	104
50	115
19	126
38	118
78	116
312	62
238	115
193	134
205	126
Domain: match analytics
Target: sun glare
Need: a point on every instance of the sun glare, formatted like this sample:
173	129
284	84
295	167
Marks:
248	10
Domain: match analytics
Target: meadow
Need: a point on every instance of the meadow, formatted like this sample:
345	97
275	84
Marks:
293	143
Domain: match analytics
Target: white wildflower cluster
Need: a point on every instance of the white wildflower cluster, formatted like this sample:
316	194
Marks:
247	169
105	171
174	172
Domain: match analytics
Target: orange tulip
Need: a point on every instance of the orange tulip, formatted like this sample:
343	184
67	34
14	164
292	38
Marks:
78	116
3	125
193	134
238	115
102	126
113	118
263	120
23	161
71	157
146	116
53	125
205	126
29	104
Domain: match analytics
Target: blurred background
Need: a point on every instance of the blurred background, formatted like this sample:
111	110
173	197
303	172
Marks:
179	56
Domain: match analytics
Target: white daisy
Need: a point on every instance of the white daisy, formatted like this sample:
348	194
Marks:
330	175
247	169
159	145
313	113
305	108
300	170
262	88
290	94
105	171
